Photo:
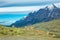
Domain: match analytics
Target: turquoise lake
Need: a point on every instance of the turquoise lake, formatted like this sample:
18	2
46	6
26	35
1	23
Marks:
9	18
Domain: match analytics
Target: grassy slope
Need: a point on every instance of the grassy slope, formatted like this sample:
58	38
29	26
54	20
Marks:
51	25
27	38
36	30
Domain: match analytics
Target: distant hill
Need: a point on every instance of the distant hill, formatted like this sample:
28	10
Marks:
42	15
53	26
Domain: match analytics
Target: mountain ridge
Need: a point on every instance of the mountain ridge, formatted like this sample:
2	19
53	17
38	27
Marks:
42	15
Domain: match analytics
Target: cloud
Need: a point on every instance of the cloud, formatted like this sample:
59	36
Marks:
26	2
21	9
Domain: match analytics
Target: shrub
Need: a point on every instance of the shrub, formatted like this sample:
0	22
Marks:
56	36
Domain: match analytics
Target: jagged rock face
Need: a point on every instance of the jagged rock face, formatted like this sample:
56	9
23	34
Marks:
42	15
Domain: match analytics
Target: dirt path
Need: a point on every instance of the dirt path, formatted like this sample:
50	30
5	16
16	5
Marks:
26	38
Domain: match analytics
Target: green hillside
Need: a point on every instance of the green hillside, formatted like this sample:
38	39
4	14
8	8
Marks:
48	26
46	29
53	27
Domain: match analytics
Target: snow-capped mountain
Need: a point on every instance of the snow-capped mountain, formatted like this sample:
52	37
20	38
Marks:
42	15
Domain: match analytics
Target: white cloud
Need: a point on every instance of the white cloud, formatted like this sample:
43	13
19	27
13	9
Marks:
19	9
57	4
23	9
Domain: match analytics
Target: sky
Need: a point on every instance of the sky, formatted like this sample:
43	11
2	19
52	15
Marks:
13	10
23	5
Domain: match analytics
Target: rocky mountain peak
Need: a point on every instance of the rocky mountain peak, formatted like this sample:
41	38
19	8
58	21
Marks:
42	15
